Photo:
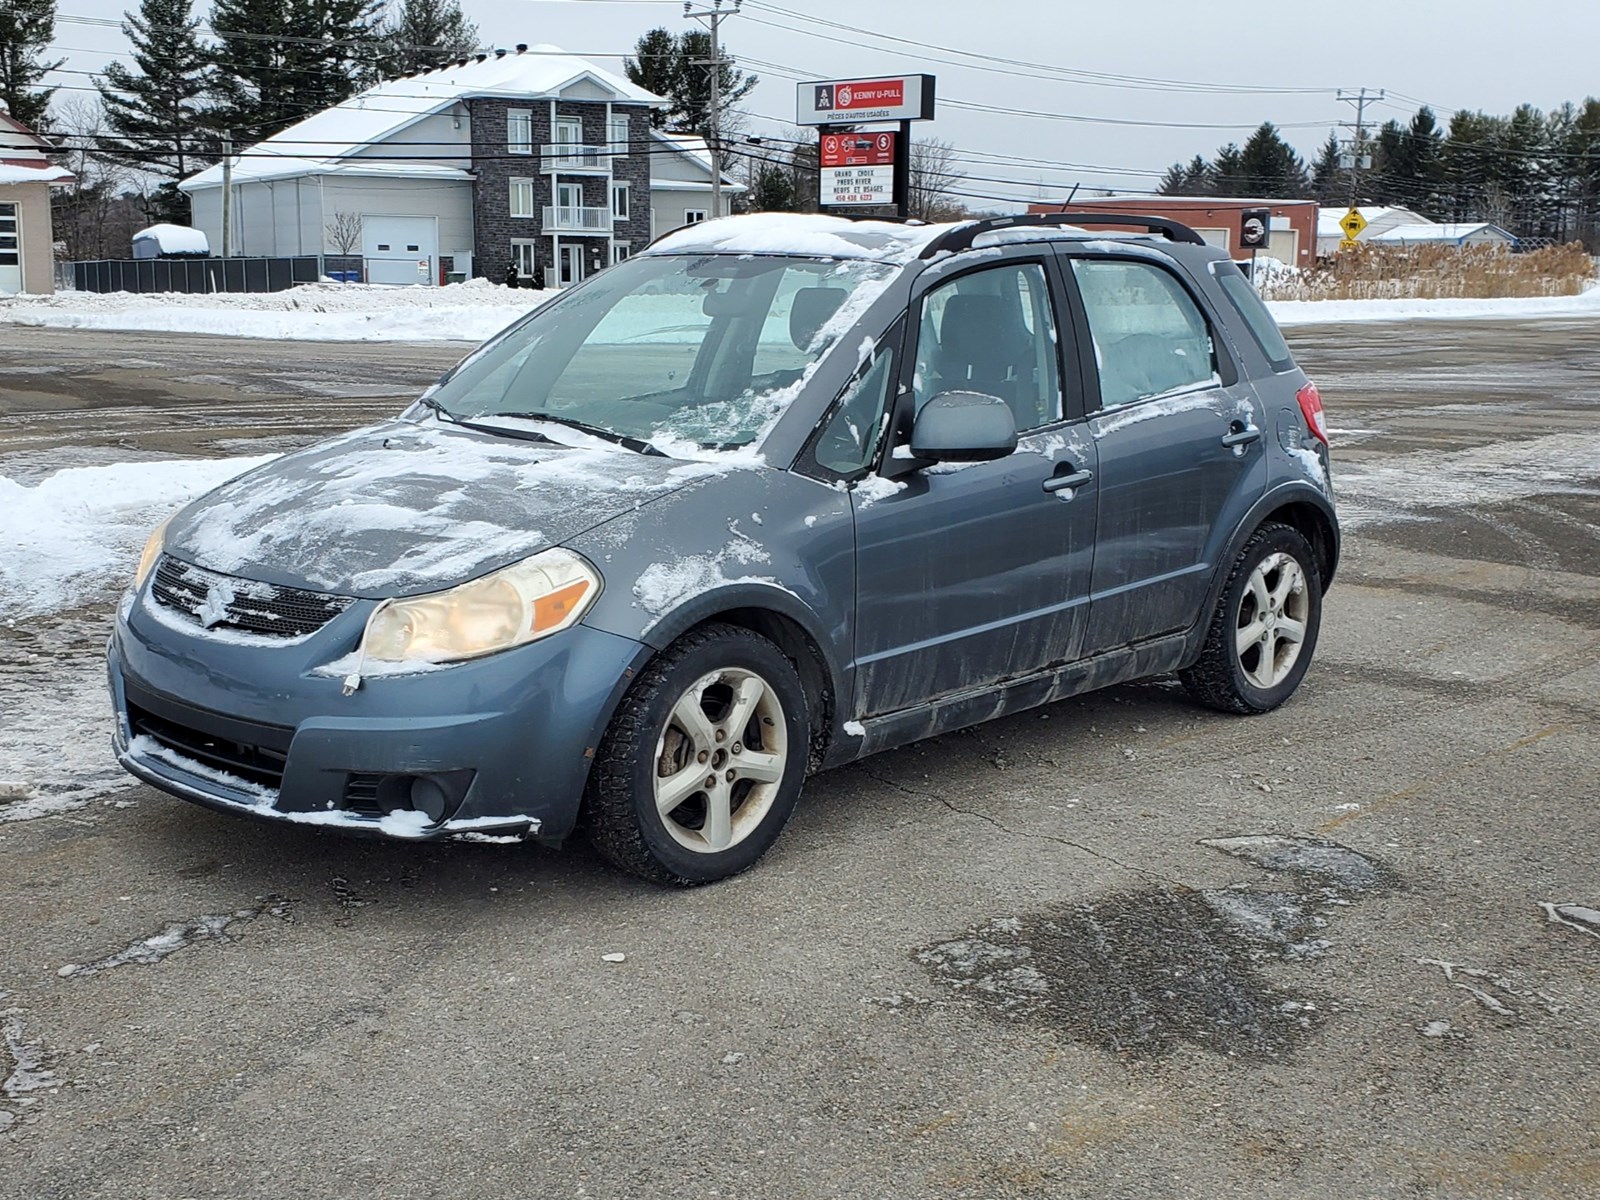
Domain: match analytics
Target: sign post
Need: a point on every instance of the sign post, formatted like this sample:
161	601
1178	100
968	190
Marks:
865	168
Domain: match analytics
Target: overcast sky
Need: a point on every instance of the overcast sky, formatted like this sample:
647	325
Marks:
1449	53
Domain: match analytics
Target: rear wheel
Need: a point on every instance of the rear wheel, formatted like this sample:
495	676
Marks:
703	763
1265	627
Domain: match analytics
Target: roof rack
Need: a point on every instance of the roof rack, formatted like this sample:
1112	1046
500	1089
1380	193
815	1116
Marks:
962	237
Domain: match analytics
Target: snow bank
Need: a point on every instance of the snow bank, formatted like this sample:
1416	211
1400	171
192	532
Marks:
77	534
468	312
1336	312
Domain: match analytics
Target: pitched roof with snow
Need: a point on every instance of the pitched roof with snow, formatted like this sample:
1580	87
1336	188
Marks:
696	151
1328	218
1457	232
324	143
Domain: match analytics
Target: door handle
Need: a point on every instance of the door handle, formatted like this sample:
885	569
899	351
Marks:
1072	479
1240	434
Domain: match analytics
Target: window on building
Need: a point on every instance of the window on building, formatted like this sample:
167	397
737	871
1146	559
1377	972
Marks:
569	131
619	251
10	236
519	131
522	197
693	216
618	135
1150	338
524	254
619	201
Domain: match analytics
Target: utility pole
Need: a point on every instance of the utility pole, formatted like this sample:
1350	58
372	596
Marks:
712	17
227	193
1359	158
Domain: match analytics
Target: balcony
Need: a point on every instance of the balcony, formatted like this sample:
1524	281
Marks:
569	219
570	156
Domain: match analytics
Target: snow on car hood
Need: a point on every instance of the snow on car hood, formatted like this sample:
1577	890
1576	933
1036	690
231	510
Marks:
400	508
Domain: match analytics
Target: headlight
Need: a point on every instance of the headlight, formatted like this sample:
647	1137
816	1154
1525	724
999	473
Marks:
520	603
152	551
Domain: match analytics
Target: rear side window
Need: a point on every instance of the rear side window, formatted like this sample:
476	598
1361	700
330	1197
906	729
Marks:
1150	338
1262	327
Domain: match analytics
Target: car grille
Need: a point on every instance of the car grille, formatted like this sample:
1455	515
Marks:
251	762
217	600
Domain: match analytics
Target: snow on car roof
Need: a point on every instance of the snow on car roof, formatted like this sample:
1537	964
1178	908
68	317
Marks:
819	236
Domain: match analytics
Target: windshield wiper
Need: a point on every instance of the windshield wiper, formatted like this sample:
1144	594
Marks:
444	414
637	445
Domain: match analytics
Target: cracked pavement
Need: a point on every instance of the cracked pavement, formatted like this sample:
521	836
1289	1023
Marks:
440	1020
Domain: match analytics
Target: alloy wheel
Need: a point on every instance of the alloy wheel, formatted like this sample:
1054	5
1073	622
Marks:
720	760
1273	616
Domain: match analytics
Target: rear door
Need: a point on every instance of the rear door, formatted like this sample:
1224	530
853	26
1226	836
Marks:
1178	433
969	574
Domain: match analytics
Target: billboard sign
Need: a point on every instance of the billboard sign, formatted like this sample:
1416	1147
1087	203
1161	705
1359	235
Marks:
857	168
852	101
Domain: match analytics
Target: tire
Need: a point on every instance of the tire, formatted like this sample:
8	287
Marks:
731	790
1273	593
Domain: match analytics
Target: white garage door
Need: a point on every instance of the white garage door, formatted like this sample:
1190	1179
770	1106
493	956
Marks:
1284	245
1215	237
10	248
401	249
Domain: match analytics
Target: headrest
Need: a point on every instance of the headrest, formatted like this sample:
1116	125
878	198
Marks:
811	310
978	332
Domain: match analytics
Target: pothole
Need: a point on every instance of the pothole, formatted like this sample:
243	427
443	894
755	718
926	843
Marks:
1143	973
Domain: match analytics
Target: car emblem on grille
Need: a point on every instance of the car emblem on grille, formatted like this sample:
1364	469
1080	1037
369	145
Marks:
214	610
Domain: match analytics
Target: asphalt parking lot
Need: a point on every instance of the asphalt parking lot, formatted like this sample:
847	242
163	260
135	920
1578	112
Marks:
1119	947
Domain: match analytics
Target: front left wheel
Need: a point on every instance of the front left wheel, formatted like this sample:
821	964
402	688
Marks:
703	764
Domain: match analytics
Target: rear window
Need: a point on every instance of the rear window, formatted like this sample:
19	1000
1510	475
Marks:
1262	327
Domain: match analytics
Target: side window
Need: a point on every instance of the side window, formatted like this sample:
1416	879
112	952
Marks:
850	438
994	332
1149	336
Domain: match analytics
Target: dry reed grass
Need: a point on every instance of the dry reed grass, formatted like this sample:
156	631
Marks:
1438	273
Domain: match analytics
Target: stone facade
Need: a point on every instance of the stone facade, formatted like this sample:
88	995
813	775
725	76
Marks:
494	166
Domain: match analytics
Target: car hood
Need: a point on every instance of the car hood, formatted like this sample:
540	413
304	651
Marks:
402	507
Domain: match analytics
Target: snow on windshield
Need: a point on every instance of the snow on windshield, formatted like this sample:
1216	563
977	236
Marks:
801	234
706	349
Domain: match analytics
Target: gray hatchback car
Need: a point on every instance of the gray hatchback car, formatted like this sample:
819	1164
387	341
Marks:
778	493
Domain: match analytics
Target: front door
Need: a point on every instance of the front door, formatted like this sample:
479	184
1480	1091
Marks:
1181	455
10	248
571	264
970	574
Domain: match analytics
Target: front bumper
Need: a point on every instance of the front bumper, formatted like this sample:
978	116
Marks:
261	727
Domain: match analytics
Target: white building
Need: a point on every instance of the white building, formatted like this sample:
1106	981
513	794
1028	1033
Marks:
1379	218
1468	233
532	160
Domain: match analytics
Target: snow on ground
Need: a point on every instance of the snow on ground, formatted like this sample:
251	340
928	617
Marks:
478	309
1338	312
323	312
74	536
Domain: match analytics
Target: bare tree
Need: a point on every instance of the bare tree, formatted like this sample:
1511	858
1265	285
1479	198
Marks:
933	180
90	221
344	231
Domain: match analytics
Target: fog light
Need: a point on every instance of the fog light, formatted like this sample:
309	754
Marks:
429	797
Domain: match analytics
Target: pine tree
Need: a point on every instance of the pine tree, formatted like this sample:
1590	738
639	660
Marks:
279	61
1198	177
156	115
1227	172
418	34
772	190
672	66
1327	182
26	30
1269	167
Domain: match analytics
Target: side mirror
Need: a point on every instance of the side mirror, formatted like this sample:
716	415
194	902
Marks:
964	427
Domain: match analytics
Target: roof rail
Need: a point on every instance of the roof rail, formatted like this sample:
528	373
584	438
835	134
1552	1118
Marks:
962	237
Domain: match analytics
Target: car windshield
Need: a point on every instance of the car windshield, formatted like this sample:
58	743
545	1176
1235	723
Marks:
659	349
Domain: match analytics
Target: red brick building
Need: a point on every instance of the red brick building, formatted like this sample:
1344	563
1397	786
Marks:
1217	219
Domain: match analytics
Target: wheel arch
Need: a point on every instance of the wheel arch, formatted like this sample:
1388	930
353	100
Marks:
1301	507
784	620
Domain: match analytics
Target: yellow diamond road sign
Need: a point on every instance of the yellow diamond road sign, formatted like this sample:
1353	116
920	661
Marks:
1352	223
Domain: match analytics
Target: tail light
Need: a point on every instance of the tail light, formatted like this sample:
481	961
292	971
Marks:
1311	406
